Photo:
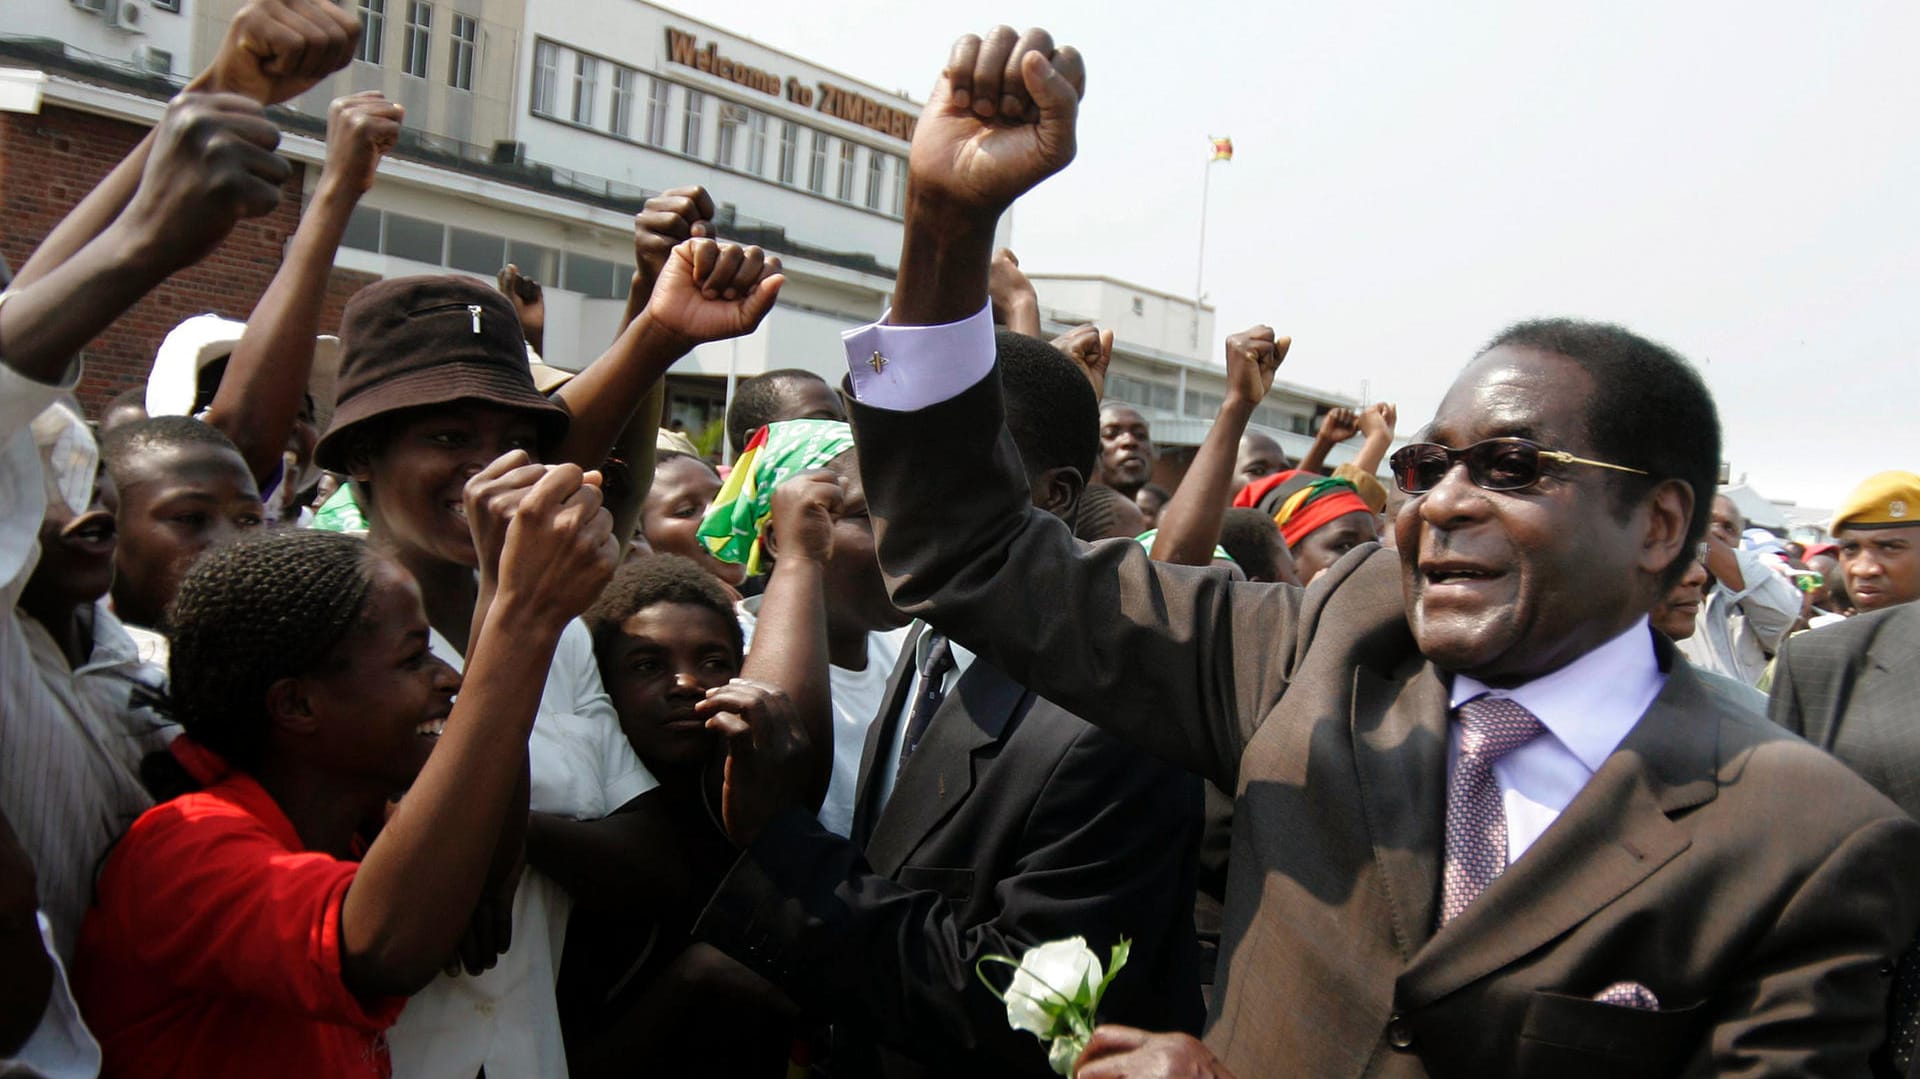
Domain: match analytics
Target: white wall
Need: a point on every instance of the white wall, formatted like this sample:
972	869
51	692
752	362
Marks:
89	32
634	35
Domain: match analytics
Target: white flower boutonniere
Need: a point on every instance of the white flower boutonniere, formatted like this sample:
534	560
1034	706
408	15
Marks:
1055	995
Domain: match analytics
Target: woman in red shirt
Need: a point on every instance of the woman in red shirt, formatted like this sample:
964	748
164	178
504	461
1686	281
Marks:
245	929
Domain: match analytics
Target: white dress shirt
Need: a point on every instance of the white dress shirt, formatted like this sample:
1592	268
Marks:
1587	706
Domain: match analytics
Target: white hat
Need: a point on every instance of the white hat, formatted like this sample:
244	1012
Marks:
189	347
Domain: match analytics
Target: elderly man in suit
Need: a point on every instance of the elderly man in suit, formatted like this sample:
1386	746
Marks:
1486	822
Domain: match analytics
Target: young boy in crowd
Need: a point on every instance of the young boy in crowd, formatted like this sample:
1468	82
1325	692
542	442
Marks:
682	490
665	635
183	489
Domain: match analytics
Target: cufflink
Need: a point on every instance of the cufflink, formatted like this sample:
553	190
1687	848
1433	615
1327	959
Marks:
877	362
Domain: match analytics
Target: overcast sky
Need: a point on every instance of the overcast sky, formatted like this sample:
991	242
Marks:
1737	180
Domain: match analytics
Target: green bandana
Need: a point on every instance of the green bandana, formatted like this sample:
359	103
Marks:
738	517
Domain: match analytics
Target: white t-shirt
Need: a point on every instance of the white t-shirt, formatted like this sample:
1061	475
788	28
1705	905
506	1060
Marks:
857	697
506	1020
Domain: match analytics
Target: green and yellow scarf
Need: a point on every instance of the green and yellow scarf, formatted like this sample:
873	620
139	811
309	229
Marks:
737	520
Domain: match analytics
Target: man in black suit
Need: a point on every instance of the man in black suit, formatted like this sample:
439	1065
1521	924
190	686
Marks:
998	822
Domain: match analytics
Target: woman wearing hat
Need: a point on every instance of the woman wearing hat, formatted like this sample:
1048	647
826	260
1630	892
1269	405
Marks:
434	388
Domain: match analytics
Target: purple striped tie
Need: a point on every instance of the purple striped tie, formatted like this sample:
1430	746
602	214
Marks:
1490	728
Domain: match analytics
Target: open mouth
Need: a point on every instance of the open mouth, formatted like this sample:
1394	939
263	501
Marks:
458	509
432	728
1456	574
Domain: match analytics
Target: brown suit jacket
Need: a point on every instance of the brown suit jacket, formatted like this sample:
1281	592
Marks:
1754	885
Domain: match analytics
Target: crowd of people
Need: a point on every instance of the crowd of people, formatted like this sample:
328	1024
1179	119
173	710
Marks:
386	701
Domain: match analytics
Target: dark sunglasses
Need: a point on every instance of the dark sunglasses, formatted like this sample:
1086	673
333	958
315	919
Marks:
1498	464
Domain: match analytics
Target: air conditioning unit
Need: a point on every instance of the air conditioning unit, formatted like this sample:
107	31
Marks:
129	16
152	60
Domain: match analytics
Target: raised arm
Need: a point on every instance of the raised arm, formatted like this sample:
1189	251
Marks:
1091	349
1190	521
273	50
707	290
212	165
1376	423
266	378
1015	305
420	880
777	716
1336	427
959	539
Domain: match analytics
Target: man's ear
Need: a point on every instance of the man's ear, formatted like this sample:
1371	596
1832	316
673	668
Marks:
769	546
289	708
1057	491
1669	508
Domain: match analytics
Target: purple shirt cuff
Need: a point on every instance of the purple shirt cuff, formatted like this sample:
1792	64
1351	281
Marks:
904	368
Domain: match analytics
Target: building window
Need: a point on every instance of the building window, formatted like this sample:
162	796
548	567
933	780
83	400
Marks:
757	146
876	175
732	119
899	187
586	84
475	252
817	164
657	111
691	122
165	5
622	99
789	150
845	189
546	77
416	238
373	30
466	32
419	36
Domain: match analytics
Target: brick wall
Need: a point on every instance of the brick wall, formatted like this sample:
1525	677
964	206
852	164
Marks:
50	161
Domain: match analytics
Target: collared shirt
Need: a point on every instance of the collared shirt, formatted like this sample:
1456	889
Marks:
857	699
215	948
1736	632
71	738
1587	707
507	1020
890	764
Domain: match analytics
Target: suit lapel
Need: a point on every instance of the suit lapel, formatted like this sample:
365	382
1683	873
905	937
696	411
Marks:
940	774
1617	831
880	732
1400	752
1879	715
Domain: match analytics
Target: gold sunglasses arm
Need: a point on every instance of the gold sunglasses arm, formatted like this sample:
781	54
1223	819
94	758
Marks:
1566	458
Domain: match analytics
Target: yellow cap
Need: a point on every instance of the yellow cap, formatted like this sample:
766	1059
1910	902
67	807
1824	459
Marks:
1369	488
1888	500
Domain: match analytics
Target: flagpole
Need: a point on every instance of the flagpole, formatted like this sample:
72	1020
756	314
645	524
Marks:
1200	260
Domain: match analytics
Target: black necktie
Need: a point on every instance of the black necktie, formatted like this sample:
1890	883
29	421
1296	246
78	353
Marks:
933	668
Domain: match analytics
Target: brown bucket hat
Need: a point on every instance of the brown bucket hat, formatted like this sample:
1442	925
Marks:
417	341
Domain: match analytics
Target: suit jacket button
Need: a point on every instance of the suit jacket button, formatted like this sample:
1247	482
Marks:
1399	1033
